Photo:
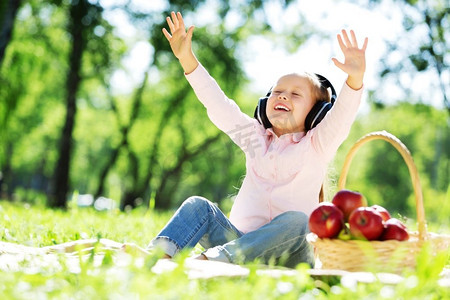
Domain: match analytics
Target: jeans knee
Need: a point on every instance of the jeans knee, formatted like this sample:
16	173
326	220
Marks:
295	219
196	203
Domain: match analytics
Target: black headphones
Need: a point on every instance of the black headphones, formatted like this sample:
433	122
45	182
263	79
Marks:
313	118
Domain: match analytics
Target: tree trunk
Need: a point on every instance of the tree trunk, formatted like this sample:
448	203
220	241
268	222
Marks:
137	101
109	164
134	190
8	12
6	174
128	199
58	197
139	189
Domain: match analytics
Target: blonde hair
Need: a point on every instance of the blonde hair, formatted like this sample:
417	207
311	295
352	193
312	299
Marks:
318	91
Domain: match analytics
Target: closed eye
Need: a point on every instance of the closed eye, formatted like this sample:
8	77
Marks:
297	93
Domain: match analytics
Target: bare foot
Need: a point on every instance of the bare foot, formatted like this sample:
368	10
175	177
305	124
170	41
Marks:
71	247
134	249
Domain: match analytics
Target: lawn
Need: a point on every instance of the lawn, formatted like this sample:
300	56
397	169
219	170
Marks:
106	275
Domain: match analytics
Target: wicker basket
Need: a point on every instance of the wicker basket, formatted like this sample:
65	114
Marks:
379	256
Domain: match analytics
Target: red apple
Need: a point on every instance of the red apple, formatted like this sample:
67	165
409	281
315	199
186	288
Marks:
348	201
383	212
366	222
394	229
398	222
326	220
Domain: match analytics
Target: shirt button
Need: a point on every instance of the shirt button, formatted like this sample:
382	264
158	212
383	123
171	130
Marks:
271	156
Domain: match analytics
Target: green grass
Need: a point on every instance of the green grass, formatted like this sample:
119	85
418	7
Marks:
37	226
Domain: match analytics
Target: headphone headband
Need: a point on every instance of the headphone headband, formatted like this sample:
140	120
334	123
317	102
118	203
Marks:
327	84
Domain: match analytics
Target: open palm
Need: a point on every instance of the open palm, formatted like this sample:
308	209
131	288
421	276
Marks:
355	57
180	40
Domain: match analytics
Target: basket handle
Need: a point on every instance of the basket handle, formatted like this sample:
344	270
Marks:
394	141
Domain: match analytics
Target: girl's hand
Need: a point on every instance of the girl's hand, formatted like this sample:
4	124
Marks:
355	59
181	41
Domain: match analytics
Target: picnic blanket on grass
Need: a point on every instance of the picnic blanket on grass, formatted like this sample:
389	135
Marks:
16	257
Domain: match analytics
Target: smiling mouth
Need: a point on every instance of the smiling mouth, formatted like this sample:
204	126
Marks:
279	107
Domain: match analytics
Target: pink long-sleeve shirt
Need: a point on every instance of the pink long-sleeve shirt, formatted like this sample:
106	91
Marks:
282	173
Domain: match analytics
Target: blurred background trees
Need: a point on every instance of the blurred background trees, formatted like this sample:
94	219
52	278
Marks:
421	53
77	119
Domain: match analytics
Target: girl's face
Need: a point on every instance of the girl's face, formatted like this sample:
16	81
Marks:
289	103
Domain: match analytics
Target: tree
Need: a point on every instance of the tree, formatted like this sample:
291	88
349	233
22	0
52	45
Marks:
142	146
30	83
83	16
147	175
8	12
124	131
425	44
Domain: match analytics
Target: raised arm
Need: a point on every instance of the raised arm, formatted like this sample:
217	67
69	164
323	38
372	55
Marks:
222	111
355	59
181	42
334	129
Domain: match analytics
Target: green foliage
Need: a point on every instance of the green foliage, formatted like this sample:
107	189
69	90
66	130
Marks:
31	77
152	140
129	145
425	43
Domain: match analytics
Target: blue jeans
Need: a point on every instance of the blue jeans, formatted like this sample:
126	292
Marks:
282	241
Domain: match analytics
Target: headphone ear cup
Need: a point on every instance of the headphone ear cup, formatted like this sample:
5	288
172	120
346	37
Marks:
261	113
317	114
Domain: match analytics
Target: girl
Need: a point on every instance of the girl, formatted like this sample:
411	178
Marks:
286	161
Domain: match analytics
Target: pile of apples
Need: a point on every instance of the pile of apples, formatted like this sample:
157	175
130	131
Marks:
348	216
